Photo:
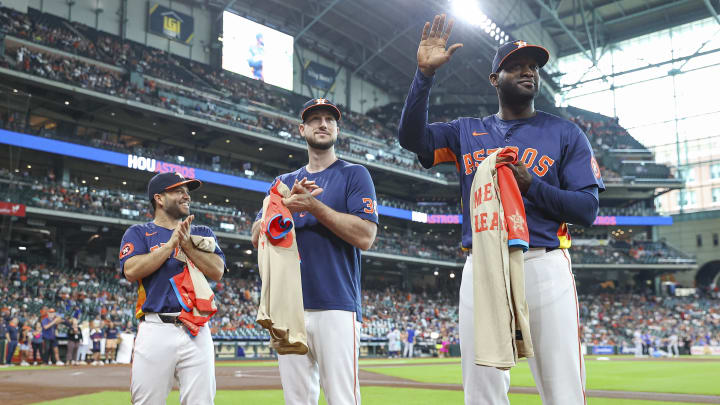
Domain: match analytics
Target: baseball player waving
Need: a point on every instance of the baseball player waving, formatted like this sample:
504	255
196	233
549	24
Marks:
164	350
335	214
559	181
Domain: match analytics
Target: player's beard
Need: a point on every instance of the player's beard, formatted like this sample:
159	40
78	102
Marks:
511	95
320	145
175	211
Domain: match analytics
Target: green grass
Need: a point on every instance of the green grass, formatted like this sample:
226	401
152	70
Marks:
670	377
370	396
363	362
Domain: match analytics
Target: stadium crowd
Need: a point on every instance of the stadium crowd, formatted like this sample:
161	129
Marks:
189	87
92	303
77	196
80	196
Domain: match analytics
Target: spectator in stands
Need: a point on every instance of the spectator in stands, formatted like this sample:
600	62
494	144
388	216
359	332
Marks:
50	346
25	348
96	336
85	343
37	344
111	342
410	342
4	340
73	337
12	338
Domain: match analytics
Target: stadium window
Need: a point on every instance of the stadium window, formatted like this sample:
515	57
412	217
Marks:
716	239
716	195
715	171
688	174
686	198
698	239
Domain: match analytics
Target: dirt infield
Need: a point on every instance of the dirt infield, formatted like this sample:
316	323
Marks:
26	386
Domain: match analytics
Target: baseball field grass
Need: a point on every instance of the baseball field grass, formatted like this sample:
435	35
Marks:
370	396
678	376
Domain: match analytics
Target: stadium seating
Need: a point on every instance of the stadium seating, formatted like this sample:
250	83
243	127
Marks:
77	197
224	97
607	317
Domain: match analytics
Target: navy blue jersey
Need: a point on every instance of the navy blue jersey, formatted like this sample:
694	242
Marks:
555	151
155	293
330	266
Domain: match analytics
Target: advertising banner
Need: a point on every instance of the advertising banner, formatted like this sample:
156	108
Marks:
168	23
12	209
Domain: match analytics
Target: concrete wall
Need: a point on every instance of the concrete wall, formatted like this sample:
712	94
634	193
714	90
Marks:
685	230
361	96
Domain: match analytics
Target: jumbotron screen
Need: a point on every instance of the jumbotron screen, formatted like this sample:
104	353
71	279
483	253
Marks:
256	51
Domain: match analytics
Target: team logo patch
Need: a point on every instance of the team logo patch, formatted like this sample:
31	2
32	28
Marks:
517	221
126	250
520	44
595	167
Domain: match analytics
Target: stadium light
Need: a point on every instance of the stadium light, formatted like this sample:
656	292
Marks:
452	275
29	167
470	12
436	273
22	248
290	156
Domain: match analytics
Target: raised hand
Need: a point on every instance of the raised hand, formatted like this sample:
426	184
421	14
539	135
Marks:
431	53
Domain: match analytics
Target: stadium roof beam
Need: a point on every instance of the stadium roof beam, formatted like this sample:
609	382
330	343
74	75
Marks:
226	7
569	33
316	19
712	10
382	47
646	11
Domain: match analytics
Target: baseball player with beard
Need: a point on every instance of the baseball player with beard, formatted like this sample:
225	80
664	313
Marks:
559	180
164	350
335	214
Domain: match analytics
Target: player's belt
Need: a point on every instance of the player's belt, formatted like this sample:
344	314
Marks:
547	249
160	318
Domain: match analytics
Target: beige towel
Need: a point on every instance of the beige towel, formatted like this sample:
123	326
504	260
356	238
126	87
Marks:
500	313
281	309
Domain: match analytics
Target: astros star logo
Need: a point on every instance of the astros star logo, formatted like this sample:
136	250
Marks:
517	221
520	44
321	101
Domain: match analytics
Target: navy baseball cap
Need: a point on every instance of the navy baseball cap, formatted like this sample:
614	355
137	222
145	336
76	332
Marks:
165	181
316	103
540	54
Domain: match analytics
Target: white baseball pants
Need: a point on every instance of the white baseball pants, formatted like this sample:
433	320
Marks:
409	349
332	362
164	353
558	366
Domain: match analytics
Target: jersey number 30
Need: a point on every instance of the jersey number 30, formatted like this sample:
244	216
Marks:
370	206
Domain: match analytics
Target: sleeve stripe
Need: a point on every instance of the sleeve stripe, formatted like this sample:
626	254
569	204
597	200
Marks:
519	242
445	155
